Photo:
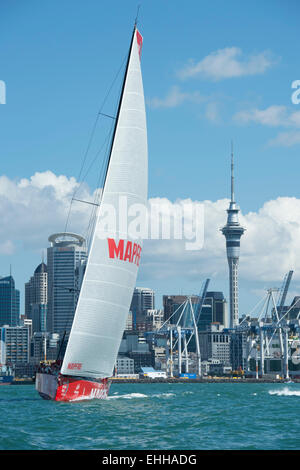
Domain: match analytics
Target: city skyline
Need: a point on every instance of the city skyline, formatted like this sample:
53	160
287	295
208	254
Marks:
217	83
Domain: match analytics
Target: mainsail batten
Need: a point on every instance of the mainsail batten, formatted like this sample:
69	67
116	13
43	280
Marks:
103	305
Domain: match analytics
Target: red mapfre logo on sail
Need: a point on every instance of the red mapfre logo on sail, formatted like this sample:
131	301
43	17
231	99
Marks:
131	252
74	365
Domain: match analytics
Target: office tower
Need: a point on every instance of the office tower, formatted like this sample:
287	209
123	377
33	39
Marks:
65	264
9	302
14	344
239	350
44	346
233	232
36	298
215	344
214	309
173	306
143	299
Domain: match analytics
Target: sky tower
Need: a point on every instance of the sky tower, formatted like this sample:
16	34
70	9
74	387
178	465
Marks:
233	232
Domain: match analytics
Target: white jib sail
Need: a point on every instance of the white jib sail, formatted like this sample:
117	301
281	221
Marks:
112	265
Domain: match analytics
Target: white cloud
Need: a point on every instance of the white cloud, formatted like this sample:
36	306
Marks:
212	112
270	246
174	98
32	209
286	139
227	63
273	116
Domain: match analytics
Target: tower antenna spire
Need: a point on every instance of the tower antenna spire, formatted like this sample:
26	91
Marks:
232	174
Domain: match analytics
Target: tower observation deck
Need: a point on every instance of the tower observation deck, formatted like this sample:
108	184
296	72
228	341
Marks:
233	232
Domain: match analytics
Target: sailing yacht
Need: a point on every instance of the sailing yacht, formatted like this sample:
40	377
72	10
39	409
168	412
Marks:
113	260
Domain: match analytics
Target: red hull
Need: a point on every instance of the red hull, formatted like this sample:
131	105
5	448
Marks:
67	388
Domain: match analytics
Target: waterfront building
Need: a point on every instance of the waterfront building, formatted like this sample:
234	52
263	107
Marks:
173	306
66	259
28	322
151	373
36	288
214	310
9	302
215	344
124	365
239	350
143	299
134	346
129	322
44	346
233	232
36	298
291	312
154	319
14	344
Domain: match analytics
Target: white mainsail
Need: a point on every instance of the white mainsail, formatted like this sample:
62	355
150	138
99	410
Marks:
112	265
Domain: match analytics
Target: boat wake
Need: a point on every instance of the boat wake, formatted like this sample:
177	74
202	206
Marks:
285	392
130	396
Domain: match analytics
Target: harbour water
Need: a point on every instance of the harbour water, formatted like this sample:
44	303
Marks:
193	416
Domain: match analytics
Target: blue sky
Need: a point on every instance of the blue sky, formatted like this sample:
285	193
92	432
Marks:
213	72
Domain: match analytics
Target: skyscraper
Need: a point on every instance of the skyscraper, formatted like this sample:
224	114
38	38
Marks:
233	232
174	304
214	309
36	298
143	299
9	302
65	263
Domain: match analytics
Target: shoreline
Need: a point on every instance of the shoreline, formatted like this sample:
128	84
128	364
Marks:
179	380
212	380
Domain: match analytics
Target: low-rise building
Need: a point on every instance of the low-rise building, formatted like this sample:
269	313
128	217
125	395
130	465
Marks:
124	365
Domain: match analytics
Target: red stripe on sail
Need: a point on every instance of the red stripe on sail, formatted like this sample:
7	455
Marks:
139	39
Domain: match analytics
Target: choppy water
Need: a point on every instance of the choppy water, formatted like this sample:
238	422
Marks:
155	416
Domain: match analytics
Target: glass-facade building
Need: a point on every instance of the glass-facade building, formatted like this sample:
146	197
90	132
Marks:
14	344
143	299
214	310
36	298
173	308
66	258
9	302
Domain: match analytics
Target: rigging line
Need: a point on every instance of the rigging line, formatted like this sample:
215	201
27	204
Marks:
99	114
107	138
106	141
97	199
98	193
92	136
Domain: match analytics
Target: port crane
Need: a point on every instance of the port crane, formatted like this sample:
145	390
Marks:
268	325
185	328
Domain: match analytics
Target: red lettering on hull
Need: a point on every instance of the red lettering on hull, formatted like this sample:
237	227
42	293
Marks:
74	365
66	388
